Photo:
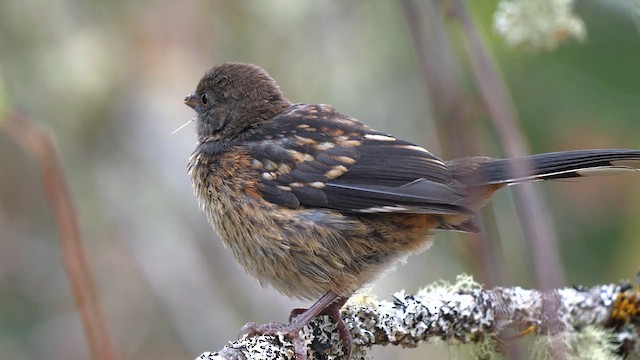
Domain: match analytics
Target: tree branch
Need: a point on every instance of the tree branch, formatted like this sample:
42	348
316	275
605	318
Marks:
603	318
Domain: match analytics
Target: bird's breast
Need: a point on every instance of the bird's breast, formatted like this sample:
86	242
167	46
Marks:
301	252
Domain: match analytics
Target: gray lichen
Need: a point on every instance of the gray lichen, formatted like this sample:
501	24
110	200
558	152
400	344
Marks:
570	320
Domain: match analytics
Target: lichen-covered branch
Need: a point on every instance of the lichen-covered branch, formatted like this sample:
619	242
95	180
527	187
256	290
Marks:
602	319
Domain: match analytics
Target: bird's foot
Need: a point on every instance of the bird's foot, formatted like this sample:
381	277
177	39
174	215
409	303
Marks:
333	312
329	305
290	330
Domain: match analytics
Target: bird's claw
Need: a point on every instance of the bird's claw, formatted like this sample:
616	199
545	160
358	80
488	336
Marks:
291	331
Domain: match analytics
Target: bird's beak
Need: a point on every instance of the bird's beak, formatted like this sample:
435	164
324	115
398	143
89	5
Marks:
190	100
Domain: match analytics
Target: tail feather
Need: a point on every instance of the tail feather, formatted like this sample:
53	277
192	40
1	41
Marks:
555	165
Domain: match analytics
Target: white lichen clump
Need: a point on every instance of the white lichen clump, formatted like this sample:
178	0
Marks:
537	24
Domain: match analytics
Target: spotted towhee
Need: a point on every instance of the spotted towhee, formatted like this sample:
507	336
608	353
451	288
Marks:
315	203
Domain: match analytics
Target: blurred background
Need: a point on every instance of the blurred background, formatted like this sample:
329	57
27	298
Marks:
107	80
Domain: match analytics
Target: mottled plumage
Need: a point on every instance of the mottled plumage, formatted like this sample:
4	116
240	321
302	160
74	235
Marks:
313	202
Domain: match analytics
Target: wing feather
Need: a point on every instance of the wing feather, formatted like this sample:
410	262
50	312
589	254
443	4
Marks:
321	158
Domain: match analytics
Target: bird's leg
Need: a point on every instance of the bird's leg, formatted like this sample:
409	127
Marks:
333	311
329	304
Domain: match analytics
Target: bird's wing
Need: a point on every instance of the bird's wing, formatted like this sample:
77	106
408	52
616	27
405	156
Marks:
313	156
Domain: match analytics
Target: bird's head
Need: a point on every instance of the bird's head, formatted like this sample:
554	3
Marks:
233	96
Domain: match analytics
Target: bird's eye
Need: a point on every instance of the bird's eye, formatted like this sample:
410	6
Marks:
204	98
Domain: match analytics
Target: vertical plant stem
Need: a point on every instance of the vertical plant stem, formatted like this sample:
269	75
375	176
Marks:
536	222
39	143
441	75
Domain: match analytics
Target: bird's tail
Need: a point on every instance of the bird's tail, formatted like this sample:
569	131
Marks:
549	166
482	176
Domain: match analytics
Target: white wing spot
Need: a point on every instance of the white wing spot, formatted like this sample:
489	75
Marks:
317	185
325	146
380	137
383	209
414	147
257	164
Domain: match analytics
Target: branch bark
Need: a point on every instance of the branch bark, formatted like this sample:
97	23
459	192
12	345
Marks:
604	317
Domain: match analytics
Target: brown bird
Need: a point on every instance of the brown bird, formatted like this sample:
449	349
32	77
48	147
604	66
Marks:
315	203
